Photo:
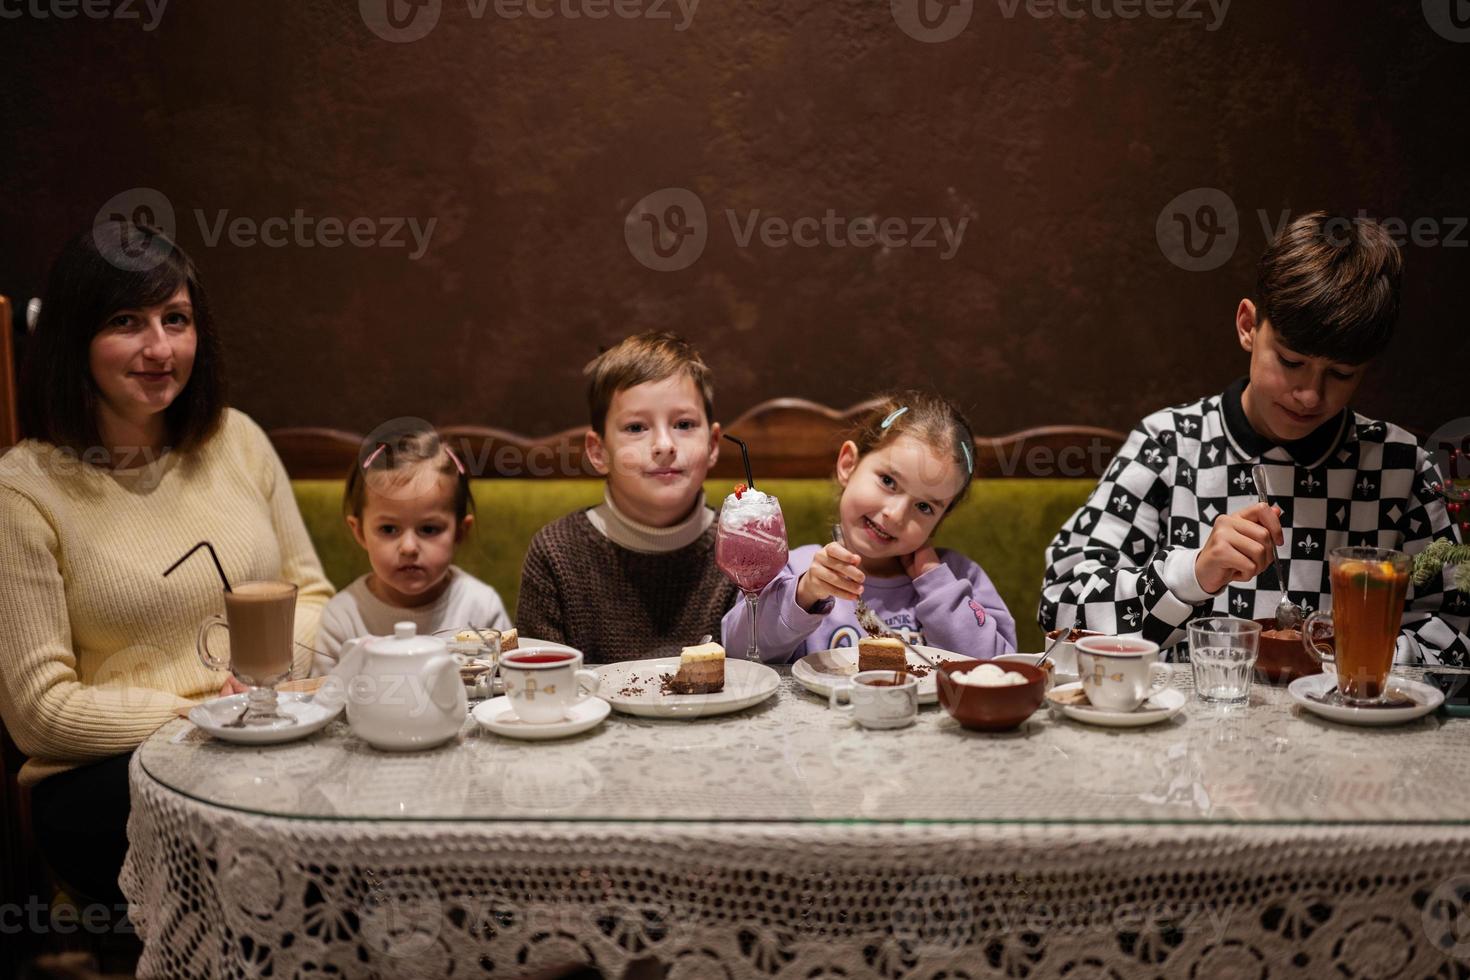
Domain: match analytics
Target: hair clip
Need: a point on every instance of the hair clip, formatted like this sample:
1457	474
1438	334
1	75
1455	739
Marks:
374	455
453	456
892	416
969	458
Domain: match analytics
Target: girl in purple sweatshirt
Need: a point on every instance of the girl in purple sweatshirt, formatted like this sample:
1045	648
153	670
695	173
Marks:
909	462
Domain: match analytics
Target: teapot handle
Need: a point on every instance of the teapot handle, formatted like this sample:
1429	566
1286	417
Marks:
440	677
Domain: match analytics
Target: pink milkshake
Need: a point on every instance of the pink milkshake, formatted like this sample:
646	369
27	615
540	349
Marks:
750	547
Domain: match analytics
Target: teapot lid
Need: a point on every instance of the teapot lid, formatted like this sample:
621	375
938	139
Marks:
406	640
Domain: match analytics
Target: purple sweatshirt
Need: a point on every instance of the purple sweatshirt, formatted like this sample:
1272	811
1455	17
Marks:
953	607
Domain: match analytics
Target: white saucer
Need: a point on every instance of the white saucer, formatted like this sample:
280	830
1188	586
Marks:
496	716
305	714
818	672
1161	707
1425	698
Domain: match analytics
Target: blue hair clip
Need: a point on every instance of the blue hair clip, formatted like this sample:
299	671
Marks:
969	458
893	415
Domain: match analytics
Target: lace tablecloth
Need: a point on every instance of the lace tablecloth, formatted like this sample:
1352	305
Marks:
782	843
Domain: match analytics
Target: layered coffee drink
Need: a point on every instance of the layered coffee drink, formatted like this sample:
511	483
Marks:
262	618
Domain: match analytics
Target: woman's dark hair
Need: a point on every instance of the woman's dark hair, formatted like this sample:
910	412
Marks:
119	265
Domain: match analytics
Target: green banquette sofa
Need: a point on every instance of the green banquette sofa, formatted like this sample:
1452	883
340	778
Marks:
1005	525
1026	485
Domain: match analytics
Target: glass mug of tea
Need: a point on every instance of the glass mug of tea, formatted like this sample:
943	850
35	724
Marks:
1369	586
261	618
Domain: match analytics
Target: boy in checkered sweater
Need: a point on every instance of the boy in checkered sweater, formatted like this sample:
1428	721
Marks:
1175	530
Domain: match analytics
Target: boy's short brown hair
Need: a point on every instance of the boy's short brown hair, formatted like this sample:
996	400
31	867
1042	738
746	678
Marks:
642	358
1329	285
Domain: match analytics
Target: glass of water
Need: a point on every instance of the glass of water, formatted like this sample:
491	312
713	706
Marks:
1222	653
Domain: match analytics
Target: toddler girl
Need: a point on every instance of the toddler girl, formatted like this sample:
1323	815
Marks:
408	505
909	462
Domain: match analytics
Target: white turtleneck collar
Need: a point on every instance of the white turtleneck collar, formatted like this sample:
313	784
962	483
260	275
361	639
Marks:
625	532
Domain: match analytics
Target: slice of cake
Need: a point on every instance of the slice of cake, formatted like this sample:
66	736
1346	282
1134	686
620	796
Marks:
881	653
701	670
509	639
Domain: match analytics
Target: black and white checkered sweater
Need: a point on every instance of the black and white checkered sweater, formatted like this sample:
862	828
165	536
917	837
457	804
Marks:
1354	481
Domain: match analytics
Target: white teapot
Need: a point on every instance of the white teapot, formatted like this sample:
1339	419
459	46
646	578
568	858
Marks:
403	691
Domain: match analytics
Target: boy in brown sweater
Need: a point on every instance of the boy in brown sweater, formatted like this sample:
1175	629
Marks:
635	577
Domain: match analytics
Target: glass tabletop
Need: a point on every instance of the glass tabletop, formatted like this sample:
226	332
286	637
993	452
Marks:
792	759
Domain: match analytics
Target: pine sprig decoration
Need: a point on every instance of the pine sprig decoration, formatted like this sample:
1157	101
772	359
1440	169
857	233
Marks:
1440	554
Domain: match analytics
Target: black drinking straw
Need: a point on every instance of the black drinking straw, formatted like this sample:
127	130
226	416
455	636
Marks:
745	455
217	566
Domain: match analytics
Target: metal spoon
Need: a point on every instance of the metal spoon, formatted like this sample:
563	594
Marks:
1061	635
1289	616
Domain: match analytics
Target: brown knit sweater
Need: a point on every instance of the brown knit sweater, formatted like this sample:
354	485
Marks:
579	588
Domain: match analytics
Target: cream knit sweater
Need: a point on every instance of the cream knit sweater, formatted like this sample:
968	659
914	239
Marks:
96	646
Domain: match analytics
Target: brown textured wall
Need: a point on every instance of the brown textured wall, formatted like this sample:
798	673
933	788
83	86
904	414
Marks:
528	141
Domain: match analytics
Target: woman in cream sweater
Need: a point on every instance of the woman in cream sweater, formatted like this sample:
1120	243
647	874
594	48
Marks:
132	456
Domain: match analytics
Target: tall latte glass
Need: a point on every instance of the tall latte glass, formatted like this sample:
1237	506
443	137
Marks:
261	618
1368	590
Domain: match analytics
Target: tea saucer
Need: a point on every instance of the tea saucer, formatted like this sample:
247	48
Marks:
304	713
1161	707
1425	698
497	716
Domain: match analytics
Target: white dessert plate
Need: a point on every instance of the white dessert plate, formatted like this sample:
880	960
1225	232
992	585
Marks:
817	672
496	715
1161	707
1425	698
635	687
305	715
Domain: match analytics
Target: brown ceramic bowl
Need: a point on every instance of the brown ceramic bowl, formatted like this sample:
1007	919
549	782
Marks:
990	709
1282	660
